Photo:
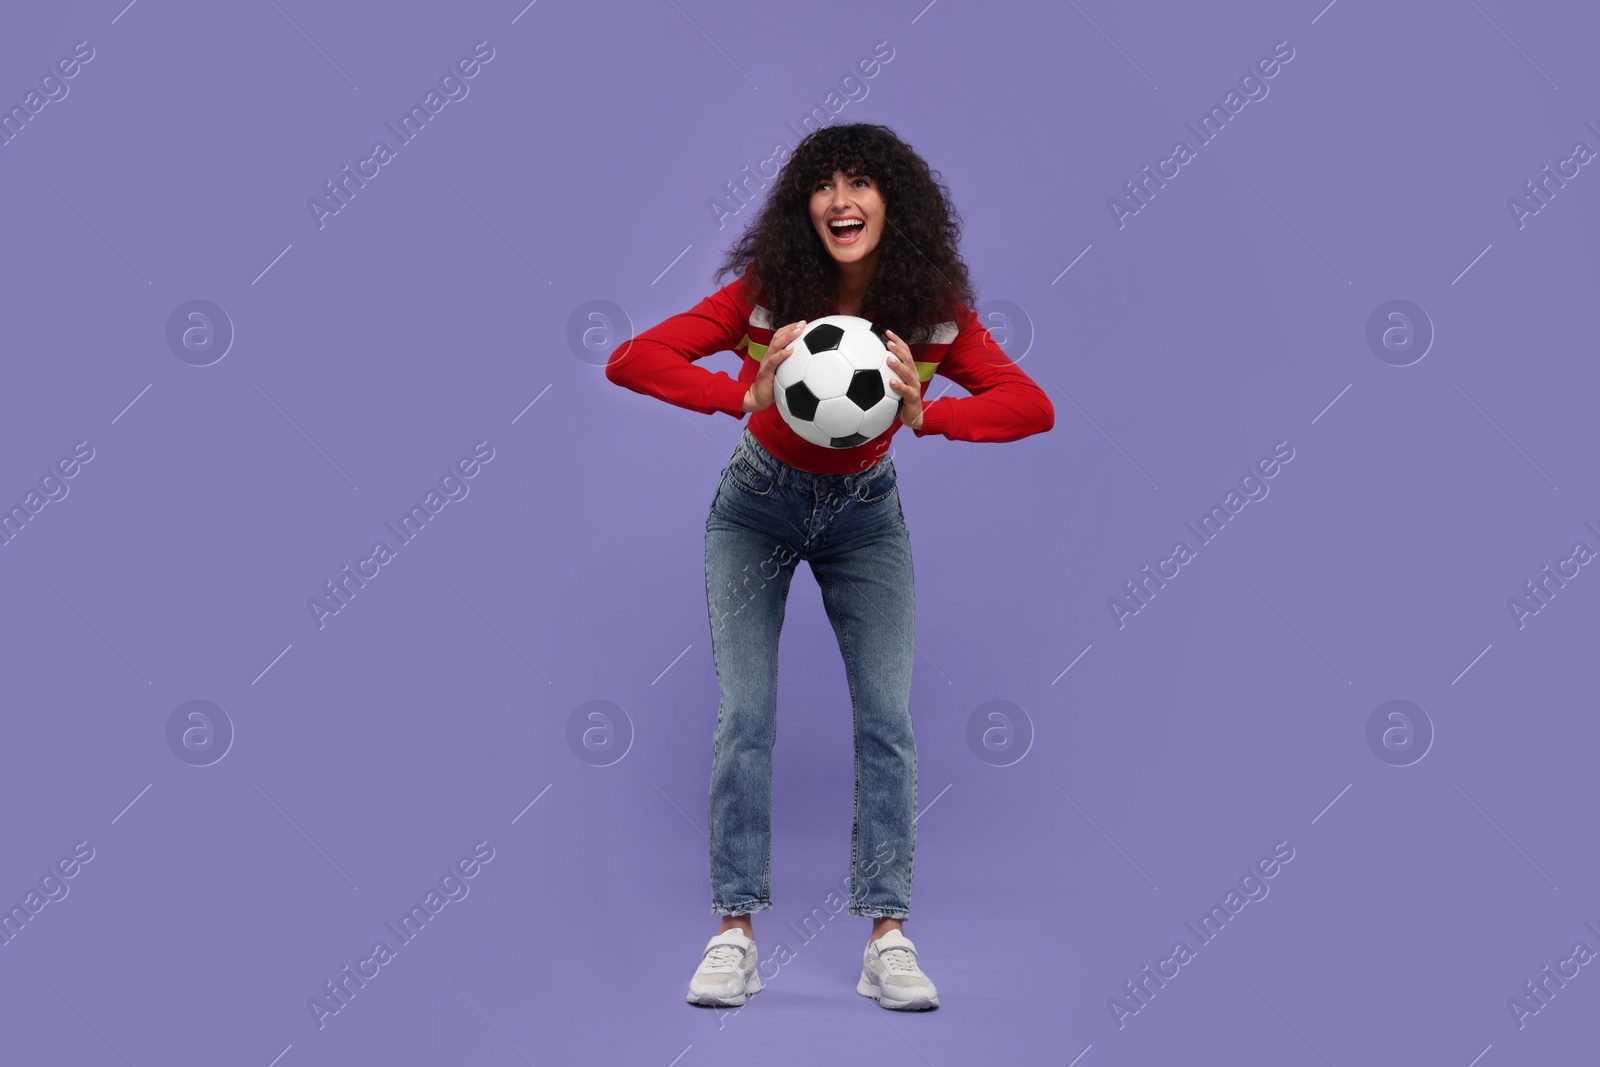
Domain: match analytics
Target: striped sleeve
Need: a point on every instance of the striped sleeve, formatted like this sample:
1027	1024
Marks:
1005	405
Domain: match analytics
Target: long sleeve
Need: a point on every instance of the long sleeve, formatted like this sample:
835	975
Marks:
1005	405
660	362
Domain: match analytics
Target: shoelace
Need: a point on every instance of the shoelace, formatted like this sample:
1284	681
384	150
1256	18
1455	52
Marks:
900	960
721	958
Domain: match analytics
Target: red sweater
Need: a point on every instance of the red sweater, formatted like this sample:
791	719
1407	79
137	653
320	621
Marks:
1005	404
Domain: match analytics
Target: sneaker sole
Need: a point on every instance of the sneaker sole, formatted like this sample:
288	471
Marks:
712	1000
867	988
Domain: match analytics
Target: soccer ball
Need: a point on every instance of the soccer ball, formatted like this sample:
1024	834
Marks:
833	389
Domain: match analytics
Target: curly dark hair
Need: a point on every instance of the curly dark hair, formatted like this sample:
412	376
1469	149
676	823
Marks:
919	273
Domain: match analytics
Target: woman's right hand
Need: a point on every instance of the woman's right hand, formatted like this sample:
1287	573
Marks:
759	395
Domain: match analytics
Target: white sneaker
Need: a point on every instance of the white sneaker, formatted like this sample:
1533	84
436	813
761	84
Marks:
890	975
727	971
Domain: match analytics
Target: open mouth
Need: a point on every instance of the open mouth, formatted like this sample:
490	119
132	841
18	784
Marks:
847	231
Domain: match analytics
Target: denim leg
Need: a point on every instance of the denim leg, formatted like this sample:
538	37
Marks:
867	590
747	584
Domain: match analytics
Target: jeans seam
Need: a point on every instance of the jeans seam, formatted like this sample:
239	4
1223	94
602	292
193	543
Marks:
911	857
711	852
855	744
777	626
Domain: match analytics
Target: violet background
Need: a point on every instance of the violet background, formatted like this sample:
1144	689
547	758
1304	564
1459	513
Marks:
433	711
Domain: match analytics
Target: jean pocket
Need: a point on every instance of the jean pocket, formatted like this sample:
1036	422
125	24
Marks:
878	489
749	477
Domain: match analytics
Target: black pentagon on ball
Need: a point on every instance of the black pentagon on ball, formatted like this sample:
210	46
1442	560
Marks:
866	388
878	331
849	441
802	401
824	338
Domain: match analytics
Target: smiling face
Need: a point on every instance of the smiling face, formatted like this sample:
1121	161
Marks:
844	198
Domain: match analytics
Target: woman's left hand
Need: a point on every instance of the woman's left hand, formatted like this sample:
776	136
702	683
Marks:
908	387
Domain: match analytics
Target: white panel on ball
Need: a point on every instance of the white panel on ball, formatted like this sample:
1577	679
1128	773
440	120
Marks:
792	369
838	417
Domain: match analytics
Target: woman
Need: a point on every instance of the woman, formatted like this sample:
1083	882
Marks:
856	224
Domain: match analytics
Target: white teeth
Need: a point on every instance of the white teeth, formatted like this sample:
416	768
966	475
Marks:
842	223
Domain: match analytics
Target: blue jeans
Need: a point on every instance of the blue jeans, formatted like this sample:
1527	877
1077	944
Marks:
765	517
